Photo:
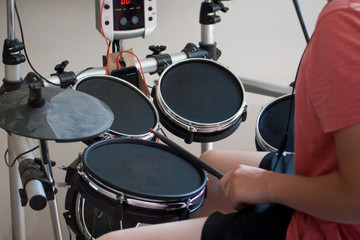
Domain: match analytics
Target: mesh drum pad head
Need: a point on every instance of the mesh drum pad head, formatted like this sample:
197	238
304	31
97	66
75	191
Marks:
133	113
142	168
201	91
273	122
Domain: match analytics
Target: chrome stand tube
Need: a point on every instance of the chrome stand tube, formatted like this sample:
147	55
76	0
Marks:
54	212
206	147
17	210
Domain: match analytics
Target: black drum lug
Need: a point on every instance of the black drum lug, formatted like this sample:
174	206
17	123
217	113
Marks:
188	204
120	208
153	92
189	138
244	115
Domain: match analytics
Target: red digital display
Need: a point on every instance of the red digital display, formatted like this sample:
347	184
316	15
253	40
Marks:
125	2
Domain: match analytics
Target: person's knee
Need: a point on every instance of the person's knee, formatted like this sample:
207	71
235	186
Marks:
210	156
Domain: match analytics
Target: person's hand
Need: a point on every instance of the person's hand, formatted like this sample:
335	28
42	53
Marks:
245	184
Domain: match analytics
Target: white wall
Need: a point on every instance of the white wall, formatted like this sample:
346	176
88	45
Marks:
259	39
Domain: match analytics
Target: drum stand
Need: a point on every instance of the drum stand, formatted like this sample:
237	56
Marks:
17	211
54	213
18	145
208	19
15	144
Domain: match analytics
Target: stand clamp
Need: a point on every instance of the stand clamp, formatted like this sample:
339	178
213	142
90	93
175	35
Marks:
208	12
11	47
35	99
11	56
66	78
192	51
162	60
209	51
208	17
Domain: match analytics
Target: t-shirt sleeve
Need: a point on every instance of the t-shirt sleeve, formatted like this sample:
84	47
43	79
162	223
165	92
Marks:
335	88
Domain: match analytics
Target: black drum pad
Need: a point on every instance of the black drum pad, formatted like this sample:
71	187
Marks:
273	121
133	113
142	168
201	91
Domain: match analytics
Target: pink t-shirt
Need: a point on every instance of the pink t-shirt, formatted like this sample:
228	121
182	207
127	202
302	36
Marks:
327	100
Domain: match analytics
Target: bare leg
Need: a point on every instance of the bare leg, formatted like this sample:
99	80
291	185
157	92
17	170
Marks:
224	161
187	229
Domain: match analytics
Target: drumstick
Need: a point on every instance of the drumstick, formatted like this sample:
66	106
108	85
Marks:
189	156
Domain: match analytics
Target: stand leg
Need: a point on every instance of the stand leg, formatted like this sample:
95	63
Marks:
17	211
54	212
12	73
55	219
206	147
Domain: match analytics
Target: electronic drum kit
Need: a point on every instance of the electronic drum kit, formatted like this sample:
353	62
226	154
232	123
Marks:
131	177
125	176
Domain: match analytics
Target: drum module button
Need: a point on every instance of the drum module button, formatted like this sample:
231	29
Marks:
123	21
135	20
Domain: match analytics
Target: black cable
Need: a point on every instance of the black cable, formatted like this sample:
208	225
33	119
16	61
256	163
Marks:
89	68
13	163
93	224
113	46
6	152
116	44
107	217
26	55
283	142
162	131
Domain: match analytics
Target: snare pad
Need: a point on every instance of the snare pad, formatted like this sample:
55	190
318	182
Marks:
142	169
131	180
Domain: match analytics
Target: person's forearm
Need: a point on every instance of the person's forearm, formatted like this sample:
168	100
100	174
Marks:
327	197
